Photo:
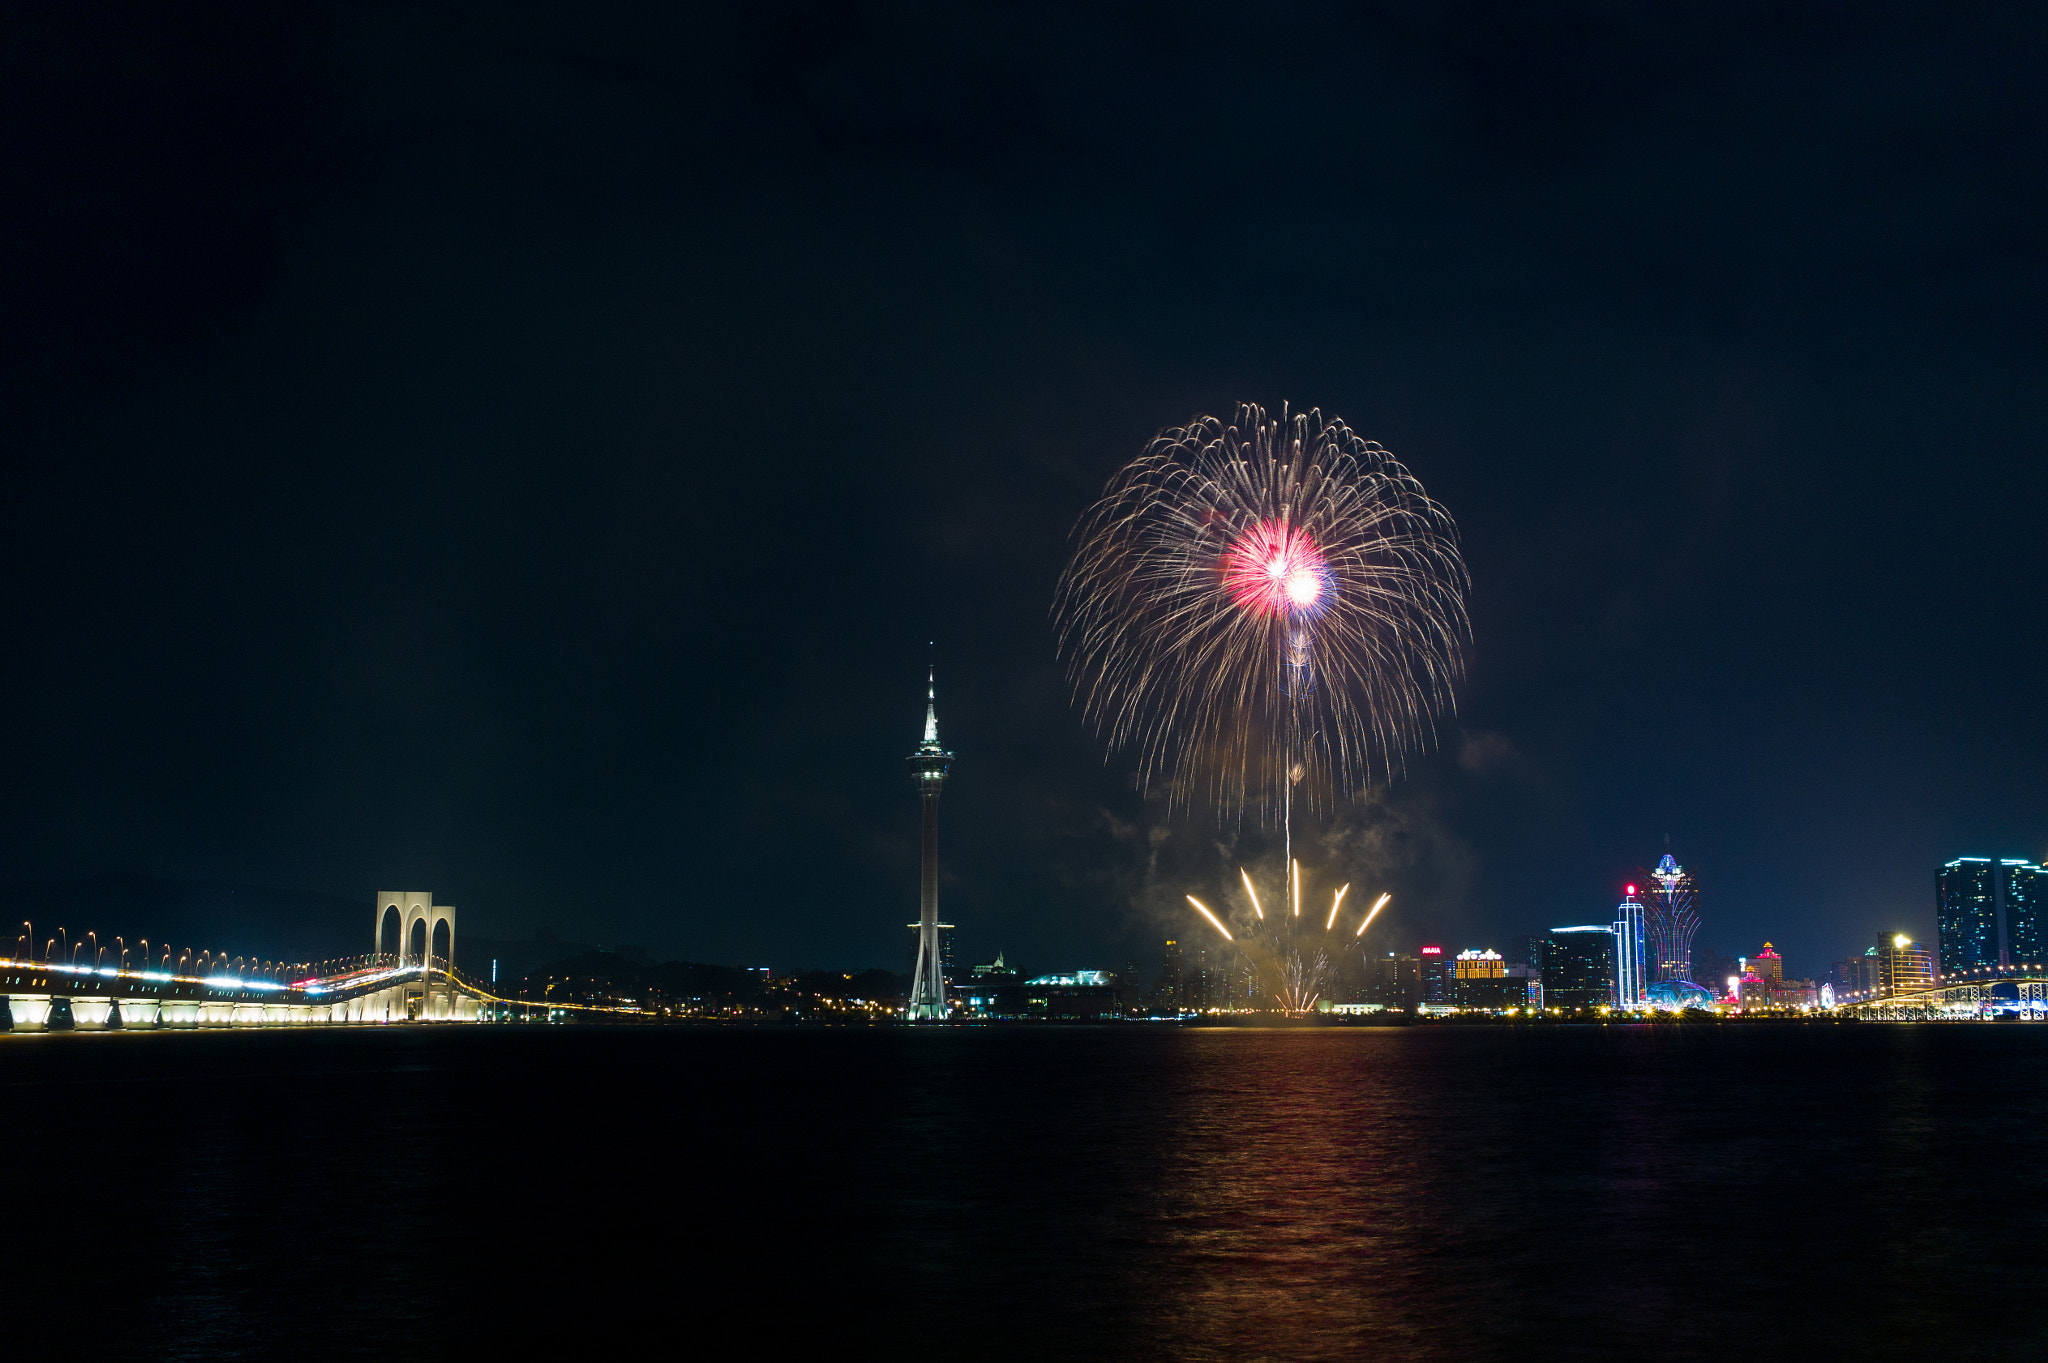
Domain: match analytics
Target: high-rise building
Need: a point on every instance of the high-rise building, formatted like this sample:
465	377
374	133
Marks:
2026	886
1198	981
1631	979
1768	965
929	764
1988	913
1393	981
1903	966
1436	975
1671	916
1966	914
1577	965
1168	993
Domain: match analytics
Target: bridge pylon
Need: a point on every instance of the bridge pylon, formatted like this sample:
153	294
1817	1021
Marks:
414	930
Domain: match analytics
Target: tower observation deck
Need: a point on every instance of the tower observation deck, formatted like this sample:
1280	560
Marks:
929	765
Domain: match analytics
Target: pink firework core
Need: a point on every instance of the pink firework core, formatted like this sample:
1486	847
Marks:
1275	569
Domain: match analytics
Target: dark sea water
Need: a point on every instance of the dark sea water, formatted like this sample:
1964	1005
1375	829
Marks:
1115	1193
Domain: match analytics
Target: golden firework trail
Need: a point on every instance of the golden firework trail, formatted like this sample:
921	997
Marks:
1290	966
1377	905
1203	909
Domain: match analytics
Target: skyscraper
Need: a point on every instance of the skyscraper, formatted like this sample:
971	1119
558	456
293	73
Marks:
1392	981
1966	914
929	764
2025	887
1671	916
1631	981
1577	965
1988	913
1168	994
1436	975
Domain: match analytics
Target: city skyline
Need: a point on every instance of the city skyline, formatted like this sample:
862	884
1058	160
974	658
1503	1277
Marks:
541	482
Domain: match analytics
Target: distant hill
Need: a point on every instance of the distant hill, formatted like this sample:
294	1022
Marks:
236	920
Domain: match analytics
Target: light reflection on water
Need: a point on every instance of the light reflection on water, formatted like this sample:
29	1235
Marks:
1112	1193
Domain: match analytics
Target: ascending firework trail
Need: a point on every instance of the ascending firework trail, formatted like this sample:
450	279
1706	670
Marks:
1262	604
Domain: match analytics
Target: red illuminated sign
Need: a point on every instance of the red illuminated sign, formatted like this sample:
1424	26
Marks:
1432	951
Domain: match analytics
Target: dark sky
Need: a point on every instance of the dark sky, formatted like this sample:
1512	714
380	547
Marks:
524	454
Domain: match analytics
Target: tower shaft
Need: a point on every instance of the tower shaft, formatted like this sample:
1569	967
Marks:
928	989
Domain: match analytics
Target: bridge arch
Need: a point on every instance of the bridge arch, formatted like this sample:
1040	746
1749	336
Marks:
409	923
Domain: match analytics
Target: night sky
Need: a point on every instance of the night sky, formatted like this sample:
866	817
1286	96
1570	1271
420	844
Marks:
527	454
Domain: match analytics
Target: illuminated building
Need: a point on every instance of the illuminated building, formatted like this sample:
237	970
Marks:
1076	995
1903	966
1476	979
1436	975
1988	913
1631	981
1577	965
929	764
1475	964
1966	914
1672	996
1769	965
2025	887
1763	983
992	990
1671	917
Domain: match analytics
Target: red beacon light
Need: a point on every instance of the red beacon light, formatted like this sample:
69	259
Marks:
1631	889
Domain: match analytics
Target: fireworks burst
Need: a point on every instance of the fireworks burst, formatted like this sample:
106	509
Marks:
1289	958
1257	602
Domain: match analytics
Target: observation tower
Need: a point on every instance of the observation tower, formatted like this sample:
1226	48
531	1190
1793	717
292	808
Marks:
929	765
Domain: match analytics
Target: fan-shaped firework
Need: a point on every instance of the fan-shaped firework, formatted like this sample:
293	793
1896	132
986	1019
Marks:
1261	601
1288	954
